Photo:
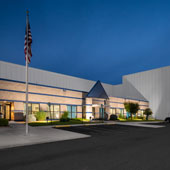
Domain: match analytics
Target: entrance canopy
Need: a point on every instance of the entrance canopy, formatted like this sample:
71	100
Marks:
98	91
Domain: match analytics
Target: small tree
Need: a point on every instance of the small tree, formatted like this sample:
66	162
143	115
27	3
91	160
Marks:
64	117
147	112
132	108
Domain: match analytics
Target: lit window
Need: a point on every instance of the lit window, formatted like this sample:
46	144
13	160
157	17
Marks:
54	111
72	111
32	108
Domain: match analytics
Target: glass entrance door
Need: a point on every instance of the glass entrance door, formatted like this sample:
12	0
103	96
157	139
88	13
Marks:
93	112
1	111
8	111
5	111
101	113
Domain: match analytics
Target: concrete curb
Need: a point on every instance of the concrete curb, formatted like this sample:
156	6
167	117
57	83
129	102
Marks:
89	124
137	124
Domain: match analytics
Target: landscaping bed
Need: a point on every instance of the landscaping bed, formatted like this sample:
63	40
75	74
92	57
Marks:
70	122
136	120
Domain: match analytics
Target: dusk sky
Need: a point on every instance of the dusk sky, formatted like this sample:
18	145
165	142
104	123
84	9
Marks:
92	39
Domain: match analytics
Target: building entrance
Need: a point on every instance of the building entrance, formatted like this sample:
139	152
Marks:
5	110
101	113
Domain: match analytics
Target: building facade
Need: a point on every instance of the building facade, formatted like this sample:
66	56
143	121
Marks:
154	85
55	93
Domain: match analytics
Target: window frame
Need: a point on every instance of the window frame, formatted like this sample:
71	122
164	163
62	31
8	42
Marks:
30	112
71	113
53	111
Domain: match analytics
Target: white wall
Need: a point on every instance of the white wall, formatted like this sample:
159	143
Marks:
154	85
17	72
124	91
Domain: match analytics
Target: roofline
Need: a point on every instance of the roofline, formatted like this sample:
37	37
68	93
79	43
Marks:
94	87
55	72
154	69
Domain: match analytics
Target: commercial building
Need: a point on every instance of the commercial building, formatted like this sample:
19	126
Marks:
55	93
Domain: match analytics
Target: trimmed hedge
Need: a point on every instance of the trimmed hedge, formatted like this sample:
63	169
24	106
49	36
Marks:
113	117
3	122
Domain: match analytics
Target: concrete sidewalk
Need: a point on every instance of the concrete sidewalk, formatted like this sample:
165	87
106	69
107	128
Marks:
14	135
140	124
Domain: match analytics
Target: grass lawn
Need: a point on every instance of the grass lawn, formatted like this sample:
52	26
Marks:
71	122
136	120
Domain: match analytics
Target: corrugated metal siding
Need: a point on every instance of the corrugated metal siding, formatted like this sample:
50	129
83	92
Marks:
154	85
123	91
17	72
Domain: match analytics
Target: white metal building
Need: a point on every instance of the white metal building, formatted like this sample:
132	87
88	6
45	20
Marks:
154	85
151	86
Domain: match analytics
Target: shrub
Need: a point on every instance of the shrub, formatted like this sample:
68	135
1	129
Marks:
40	115
31	118
3	122
140	117
64	117
77	119
147	112
121	116
113	117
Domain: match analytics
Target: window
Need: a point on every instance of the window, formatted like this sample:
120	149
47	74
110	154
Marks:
93	111
32	108
5	110
112	111
84	112
0	108
55	111
140	113
120	111
72	111
101	112
35	108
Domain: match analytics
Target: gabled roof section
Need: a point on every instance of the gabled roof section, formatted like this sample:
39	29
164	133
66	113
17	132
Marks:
98	91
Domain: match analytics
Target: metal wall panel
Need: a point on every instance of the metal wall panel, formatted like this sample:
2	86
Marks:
123	91
17	72
154	85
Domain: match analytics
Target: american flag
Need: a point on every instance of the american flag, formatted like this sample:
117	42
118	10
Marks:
29	39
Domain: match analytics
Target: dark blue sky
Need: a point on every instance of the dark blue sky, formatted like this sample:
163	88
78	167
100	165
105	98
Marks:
92	39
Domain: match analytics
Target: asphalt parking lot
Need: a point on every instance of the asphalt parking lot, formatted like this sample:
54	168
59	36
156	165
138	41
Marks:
109	147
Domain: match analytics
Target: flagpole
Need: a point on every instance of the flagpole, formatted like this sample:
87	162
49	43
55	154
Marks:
26	71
